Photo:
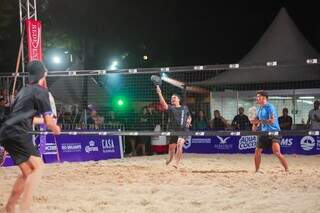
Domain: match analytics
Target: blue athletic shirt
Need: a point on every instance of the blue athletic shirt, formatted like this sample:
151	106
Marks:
264	113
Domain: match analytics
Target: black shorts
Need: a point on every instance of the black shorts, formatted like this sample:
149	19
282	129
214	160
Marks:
265	141
174	139
20	148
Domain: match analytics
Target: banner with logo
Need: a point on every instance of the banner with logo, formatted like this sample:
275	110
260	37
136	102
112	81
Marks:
91	147
307	145
34	40
76	148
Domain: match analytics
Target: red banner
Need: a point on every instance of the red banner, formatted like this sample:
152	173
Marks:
34	28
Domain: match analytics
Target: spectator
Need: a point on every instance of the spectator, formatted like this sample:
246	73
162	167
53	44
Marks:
313	122
4	110
285	121
96	121
241	121
218	122
146	124
131	121
5	95
111	118
201	122
75	115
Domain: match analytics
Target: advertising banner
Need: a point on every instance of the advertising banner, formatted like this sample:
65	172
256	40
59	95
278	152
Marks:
34	39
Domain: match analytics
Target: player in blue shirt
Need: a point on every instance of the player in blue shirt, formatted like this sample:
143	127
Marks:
267	121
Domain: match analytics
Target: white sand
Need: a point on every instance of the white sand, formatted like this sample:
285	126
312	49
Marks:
204	183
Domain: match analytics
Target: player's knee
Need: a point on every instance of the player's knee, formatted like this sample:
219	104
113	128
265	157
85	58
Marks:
172	147
26	171
179	147
258	151
277	153
35	163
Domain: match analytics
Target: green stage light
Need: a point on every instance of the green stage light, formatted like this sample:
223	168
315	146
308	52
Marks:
120	102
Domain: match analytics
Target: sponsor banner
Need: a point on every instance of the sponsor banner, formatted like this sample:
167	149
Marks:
247	143
8	161
198	145
34	40
42	139
76	148
309	145
92	147
289	144
217	144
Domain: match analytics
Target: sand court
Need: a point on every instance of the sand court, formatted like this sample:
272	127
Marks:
203	183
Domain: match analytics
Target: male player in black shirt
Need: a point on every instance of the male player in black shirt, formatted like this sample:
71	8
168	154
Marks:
179	120
31	102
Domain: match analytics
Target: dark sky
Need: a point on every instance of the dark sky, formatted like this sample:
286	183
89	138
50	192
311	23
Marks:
170	32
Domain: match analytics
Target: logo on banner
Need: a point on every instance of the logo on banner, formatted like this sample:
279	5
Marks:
248	142
307	143
187	143
50	148
286	142
107	145
223	140
201	140
92	147
71	147
223	143
34	29
35	35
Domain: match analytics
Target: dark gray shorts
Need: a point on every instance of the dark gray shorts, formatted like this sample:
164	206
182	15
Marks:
265	141
174	139
20	148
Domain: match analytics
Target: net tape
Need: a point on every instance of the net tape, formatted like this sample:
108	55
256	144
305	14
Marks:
218	67
183	133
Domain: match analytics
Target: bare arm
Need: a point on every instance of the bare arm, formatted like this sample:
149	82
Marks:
51	124
258	122
38	120
255	124
271	120
162	101
189	120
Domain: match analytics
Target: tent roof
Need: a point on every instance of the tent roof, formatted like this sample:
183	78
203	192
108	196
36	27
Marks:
282	42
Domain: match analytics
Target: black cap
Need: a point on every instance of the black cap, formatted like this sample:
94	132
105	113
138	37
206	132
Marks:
263	93
36	70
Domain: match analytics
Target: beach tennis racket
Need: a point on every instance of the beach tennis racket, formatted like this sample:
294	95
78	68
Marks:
156	80
54	111
53	105
252	113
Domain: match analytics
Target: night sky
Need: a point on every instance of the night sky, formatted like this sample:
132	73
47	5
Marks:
170	33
